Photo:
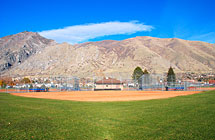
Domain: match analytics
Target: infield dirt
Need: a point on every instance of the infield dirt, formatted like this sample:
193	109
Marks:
106	95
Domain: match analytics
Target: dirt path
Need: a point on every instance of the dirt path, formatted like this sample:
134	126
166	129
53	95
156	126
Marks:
106	95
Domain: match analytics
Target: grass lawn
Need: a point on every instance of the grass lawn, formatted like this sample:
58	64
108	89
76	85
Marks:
186	117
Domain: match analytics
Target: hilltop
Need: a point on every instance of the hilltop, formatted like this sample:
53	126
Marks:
44	57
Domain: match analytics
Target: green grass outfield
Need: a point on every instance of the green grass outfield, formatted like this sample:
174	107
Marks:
185	117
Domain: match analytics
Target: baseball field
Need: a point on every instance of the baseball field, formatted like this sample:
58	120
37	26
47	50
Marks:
154	116
106	95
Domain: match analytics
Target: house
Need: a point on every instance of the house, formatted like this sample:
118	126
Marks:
108	83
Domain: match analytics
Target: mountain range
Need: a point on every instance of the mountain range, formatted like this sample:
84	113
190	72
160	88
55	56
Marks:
29	54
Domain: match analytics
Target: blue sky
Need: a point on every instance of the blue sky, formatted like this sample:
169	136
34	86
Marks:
78	21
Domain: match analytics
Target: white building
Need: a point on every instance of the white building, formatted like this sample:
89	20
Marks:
108	84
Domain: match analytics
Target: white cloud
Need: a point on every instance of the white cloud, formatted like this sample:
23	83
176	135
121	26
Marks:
81	33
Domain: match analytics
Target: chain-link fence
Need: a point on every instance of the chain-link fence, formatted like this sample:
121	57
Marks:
151	82
148	82
155	82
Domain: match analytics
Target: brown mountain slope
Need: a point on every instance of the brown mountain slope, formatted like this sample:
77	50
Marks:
119	58
15	49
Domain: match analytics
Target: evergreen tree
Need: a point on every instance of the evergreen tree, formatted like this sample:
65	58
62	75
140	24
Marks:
138	72
171	79
145	72
31	86
43	86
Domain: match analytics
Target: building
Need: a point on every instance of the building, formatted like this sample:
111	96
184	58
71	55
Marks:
108	83
212	82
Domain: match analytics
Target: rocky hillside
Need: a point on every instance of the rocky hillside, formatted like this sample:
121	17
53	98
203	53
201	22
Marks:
15	49
118	58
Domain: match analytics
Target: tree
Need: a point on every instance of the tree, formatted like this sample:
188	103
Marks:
171	79
145	72
47	81
145	79
26	81
6	81
43	87
2	83
138	72
31	86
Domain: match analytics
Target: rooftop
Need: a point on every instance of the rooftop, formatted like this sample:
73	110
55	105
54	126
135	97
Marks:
108	80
